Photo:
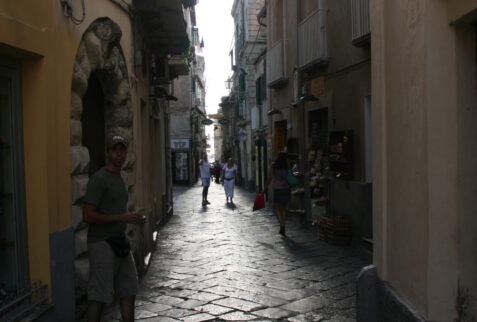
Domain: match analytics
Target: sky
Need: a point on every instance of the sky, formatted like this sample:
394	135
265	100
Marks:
216	27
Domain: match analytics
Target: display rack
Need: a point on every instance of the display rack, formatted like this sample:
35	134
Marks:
341	153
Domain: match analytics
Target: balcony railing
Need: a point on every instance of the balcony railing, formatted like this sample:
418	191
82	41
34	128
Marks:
360	27
312	40
178	66
275	66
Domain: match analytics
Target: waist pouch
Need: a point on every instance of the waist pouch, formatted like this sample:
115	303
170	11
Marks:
120	245
229	178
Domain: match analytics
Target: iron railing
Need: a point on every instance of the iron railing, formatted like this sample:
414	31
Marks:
312	39
360	26
17	305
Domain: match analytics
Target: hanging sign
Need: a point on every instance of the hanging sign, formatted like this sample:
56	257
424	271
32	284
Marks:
207	122
318	86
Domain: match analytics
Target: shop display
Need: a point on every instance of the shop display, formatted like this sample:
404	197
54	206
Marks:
341	153
329	162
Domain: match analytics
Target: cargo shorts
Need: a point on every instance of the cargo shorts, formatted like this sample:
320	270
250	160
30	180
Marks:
110	275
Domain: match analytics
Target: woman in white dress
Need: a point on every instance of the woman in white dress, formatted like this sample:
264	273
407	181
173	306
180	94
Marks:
229	175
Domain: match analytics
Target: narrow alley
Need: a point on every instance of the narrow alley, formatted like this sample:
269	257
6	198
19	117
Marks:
228	263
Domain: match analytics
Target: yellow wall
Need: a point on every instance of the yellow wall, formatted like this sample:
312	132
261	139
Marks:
37	34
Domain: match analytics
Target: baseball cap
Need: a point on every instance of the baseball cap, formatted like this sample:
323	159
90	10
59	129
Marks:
116	139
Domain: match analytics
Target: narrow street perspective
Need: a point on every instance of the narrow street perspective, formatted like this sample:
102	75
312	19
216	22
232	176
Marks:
224	262
355	119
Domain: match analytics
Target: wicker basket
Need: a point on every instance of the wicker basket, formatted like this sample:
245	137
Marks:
334	230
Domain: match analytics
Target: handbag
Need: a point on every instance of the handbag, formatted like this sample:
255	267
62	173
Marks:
291	179
119	245
259	202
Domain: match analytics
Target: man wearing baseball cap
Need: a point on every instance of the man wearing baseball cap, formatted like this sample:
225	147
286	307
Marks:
112	268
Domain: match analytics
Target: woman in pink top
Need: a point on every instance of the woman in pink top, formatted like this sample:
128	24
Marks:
281	189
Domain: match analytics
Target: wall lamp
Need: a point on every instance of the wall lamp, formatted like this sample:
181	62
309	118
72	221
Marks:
305	98
274	111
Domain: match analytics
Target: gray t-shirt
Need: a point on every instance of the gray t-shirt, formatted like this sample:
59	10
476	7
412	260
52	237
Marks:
107	191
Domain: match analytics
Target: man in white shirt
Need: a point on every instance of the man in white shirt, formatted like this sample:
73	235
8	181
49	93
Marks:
204	167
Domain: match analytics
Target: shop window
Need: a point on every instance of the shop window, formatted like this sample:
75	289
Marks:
13	235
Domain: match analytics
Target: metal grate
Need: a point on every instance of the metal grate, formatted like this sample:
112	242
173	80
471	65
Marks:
23	302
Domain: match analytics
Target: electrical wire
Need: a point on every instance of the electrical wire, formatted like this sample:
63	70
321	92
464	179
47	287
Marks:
69	13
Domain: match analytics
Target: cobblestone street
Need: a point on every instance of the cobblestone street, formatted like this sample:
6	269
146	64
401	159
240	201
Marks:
228	263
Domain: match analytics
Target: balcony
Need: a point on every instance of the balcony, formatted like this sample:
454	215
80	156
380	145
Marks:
178	66
360	27
276	75
164	24
312	40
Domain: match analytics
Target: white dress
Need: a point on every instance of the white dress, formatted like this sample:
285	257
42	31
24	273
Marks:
229	180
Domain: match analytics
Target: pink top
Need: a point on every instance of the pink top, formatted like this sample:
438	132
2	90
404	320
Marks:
280	181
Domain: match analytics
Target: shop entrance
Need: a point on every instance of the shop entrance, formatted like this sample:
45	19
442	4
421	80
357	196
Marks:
180	167
280	136
261	167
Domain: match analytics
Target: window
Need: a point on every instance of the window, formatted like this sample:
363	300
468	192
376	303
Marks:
242	86
13	240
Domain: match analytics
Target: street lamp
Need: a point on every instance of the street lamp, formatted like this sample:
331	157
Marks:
228	83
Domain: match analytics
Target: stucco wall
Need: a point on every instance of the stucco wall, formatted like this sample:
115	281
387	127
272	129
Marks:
419	98
40	30
467	173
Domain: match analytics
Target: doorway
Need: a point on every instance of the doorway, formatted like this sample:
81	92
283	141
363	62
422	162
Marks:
180	167
13	242
93	136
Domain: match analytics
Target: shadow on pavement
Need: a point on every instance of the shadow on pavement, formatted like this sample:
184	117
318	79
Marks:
231	206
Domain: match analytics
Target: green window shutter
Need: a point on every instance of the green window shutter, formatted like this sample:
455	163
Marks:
242	86
192	84
258	91
263	87
237	106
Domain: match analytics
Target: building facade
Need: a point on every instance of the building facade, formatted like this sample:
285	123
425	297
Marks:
319	79
249	44
424	179
71	74
188	112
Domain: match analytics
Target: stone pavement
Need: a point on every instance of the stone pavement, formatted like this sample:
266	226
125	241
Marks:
225	263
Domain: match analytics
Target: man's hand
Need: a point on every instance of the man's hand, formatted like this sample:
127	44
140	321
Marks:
134	218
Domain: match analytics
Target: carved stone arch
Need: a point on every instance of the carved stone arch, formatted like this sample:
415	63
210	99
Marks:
99	56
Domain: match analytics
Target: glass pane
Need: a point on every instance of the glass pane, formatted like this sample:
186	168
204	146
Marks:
8	238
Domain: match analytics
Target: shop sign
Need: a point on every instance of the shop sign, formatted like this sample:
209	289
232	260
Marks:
180	144
207	122
224	121
318	86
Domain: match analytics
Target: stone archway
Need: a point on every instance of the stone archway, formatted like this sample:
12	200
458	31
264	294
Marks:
99	55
